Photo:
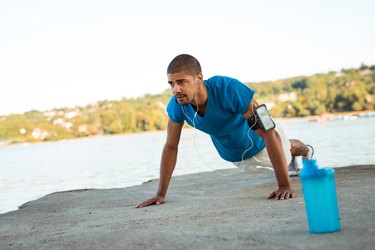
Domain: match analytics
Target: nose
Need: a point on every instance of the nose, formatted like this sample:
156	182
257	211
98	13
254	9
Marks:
176	88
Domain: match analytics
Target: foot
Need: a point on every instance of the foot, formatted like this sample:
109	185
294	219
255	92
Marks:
310	154
293	167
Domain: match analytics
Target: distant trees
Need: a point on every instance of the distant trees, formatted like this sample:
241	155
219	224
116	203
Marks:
347	90
104	117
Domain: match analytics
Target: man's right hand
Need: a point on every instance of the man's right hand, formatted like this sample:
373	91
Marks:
168	162
153	201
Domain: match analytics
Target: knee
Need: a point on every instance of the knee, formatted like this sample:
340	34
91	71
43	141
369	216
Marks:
297	148
294	144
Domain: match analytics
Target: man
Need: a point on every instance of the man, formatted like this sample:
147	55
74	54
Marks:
224	108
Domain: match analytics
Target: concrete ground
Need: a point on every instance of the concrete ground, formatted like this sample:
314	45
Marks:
203	211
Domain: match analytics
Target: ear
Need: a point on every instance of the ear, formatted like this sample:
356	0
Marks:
200	77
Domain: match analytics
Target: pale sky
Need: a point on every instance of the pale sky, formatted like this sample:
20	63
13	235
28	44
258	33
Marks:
75	52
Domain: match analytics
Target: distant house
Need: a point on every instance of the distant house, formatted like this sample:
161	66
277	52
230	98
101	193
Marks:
62	123
365	72
49	115
59	121
39	134
82	129
292	96
70	115
68	125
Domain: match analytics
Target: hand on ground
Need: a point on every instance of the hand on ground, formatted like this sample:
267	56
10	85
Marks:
282	194
152	201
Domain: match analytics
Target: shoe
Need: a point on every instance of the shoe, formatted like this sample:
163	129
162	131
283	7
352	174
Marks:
310	154
293	167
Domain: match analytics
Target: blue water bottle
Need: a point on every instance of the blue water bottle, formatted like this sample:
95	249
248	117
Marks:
319	192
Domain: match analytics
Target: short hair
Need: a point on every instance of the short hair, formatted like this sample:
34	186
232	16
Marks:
184	62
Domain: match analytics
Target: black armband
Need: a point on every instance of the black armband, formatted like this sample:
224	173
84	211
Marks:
261	119
253	122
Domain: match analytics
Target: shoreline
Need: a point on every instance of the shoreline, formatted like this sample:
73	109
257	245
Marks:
328	116
322	118
83	138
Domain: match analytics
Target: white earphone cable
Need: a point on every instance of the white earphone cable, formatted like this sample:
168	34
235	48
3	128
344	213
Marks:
242	165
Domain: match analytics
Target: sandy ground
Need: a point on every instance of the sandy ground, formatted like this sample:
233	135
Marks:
203	211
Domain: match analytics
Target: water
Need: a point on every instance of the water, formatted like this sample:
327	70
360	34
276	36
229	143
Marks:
32	171
337	143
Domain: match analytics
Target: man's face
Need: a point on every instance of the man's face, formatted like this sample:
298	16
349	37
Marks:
184	86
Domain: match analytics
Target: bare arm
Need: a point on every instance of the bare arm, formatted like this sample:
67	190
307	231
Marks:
168	163
275	152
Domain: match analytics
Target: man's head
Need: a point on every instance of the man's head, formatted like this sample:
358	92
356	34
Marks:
184	77
186	63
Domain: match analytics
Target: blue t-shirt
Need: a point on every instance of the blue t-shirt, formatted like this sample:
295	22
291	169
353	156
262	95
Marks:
228	99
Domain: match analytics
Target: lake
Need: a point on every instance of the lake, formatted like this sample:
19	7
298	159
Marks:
31	171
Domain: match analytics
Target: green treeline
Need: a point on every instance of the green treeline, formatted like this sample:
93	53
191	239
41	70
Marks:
344	91
104	117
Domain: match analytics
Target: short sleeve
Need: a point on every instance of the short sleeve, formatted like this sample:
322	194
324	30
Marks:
174	111
238	96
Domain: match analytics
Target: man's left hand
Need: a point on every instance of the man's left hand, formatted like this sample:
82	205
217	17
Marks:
282	194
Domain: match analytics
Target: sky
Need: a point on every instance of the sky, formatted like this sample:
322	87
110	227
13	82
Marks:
67	53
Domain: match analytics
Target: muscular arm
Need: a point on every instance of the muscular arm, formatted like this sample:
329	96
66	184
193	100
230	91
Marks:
167	164
169	156
275	152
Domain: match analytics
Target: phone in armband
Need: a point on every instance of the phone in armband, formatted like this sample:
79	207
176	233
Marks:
263	118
